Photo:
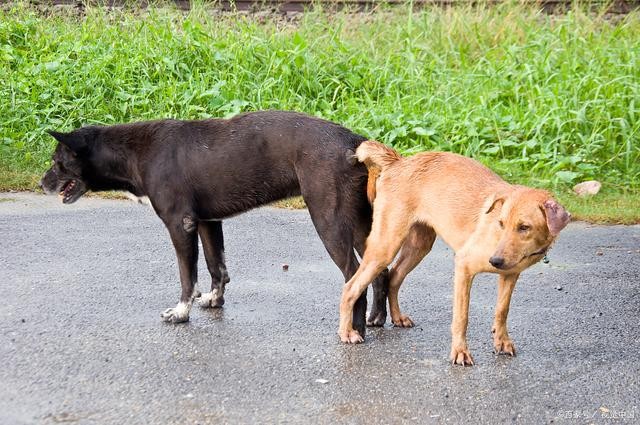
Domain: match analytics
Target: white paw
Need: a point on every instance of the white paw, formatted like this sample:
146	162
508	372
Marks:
178	314
204	300
210	299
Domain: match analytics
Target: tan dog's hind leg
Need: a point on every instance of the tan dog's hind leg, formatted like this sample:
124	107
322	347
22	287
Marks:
501	341
418	243
461	291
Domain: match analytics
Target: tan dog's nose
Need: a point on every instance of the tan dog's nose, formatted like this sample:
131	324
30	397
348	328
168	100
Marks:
496	262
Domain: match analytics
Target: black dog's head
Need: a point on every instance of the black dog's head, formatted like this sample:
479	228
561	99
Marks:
68	173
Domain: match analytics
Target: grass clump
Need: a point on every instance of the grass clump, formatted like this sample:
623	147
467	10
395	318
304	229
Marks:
543	100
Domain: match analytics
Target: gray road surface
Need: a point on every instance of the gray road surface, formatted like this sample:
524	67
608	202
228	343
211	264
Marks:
81	339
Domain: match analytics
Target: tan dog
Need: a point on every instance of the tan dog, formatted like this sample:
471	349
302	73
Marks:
491	225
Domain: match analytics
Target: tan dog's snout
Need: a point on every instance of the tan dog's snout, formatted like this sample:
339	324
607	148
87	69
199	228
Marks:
506	256
507	259
497	261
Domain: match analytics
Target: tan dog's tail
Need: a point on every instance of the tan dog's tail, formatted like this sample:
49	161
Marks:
376	157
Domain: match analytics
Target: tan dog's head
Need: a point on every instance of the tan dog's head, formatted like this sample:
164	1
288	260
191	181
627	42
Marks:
528	221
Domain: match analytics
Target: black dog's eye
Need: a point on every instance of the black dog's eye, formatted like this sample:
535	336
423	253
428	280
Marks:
523	228
501	224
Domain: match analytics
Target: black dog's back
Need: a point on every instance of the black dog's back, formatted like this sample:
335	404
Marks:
230	166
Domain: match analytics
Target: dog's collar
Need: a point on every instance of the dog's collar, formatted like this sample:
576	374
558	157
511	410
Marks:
543	251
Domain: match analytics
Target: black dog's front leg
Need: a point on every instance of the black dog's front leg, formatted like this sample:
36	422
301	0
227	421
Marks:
185	240
213	245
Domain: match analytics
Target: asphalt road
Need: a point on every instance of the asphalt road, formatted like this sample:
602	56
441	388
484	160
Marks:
81	340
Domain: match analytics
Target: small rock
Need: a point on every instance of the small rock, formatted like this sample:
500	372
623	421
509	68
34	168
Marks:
23	321
599	253
285	267
559	288
321	381
587	188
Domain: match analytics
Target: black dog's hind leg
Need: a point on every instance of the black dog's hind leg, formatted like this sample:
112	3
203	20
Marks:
185	240
378	313
213	245
338	241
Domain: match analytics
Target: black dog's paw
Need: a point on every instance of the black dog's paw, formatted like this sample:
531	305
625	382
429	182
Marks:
178	314
377	318
218	302
210	300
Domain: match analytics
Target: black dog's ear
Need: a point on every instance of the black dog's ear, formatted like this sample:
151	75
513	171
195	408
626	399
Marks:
74	140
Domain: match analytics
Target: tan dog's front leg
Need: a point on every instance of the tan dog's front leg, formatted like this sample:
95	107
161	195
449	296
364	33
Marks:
350	293
501	341
461	291
389	229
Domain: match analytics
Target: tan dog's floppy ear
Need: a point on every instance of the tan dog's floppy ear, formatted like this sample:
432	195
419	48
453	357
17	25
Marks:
494	201
557	217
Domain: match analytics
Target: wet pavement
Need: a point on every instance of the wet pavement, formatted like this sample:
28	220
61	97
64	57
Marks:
81	340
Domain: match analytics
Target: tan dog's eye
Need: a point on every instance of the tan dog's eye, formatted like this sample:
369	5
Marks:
501	224
523	228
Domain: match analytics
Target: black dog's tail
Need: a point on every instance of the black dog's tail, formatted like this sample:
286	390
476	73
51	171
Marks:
377	157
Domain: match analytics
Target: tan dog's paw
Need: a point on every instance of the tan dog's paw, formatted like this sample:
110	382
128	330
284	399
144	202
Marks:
504	345
350	336
461	356
403	321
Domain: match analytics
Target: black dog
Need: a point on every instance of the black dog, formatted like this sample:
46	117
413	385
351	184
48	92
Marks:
197	173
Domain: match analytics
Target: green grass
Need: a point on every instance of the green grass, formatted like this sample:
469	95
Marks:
544	100
610	207
12	178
